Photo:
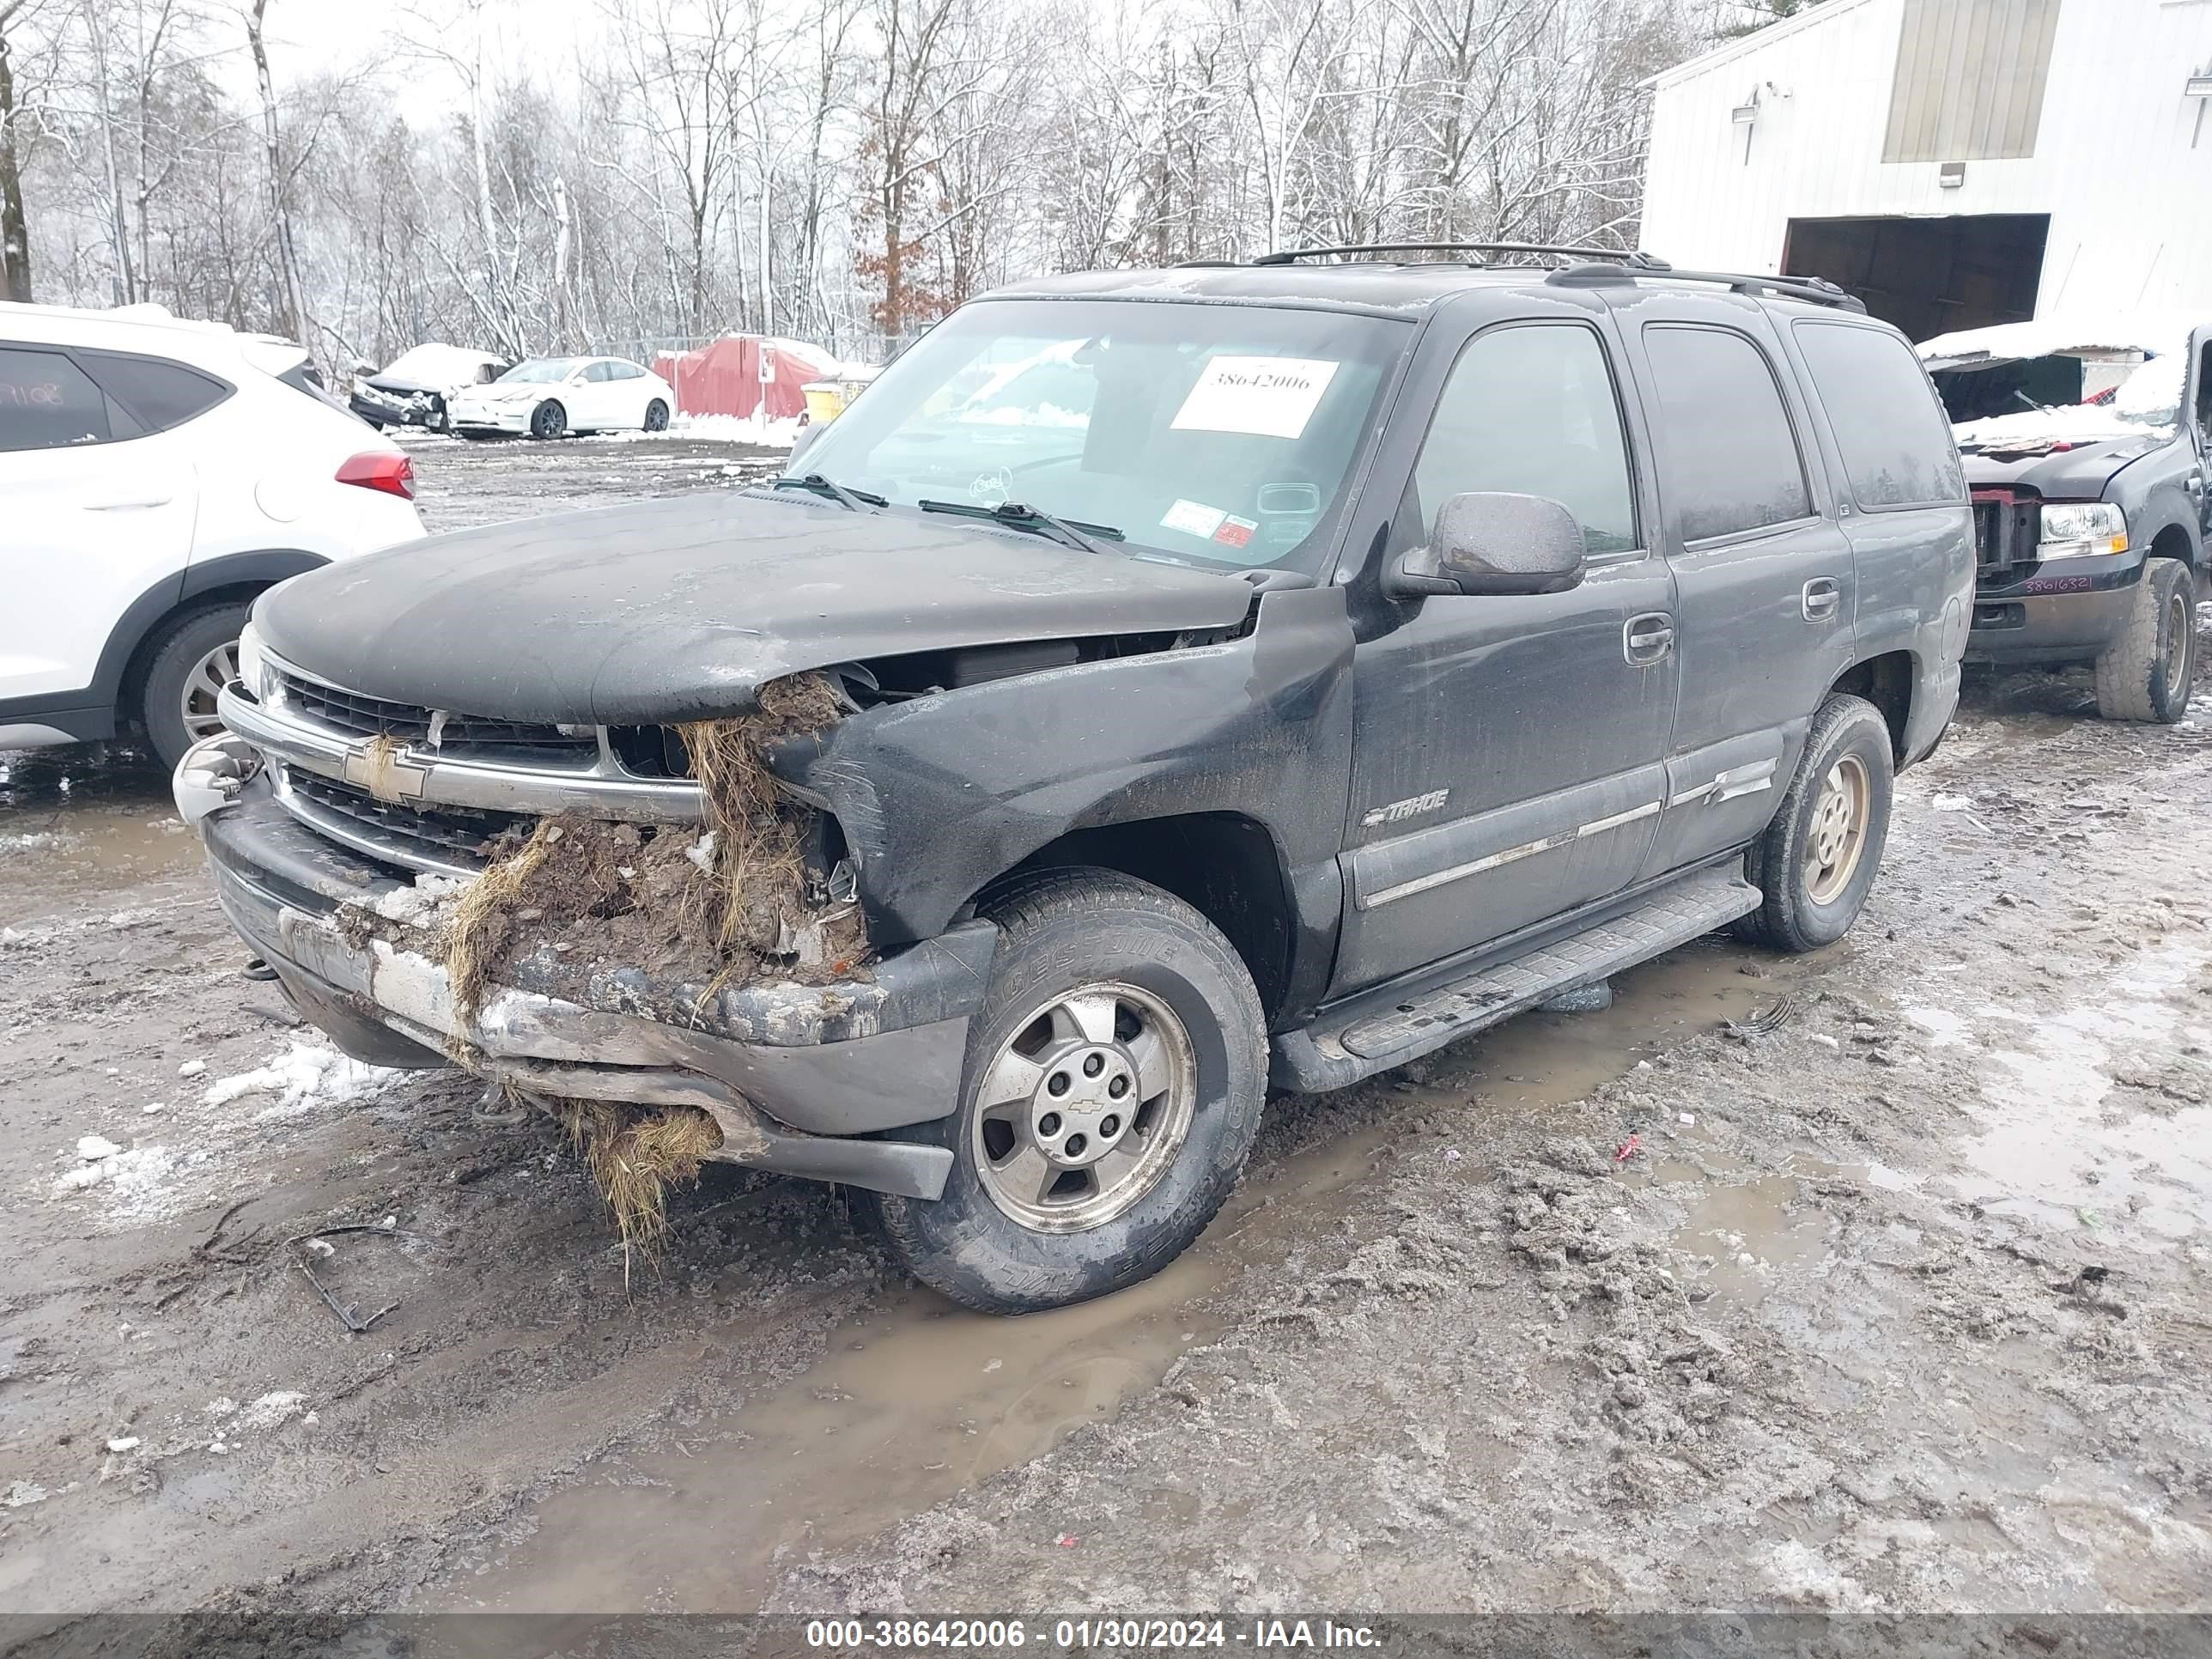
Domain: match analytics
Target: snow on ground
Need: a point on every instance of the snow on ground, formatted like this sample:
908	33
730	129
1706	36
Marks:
305	1077
772	433
215	1141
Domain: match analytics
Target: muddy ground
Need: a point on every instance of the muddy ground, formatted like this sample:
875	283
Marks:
1900	1306
467	480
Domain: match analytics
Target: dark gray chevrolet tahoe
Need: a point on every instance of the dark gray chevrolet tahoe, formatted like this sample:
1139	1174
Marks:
1253	676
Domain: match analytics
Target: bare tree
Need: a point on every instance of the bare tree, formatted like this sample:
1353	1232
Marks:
15	224
843	169
280	212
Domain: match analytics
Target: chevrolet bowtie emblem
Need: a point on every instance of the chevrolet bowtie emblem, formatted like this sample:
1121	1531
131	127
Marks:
381	767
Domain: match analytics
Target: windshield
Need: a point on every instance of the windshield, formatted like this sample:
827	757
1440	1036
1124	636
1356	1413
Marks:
1213	435
2108	393
539	370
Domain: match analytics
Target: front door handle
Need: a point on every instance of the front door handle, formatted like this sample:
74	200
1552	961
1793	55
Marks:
1820	600
1647	639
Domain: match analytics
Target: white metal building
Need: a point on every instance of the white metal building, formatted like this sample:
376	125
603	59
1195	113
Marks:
1954	162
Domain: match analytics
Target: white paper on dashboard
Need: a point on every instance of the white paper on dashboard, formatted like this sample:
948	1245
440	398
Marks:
1265	397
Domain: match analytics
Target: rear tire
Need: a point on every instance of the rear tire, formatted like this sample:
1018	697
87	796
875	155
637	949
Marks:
1104	990
2148	671
656	416
193	659
549	420
1817	860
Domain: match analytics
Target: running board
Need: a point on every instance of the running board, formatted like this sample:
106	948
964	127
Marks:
1388	1027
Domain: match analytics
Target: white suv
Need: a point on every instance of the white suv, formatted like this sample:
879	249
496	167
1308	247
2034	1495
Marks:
155	475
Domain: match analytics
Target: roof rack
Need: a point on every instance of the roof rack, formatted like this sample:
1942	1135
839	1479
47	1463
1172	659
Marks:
1635	259
1817	290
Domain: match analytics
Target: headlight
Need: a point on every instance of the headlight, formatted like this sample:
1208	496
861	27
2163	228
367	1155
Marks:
253	666
2072	529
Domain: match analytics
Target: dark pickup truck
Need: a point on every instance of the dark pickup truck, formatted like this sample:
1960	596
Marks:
1256	676
2088	443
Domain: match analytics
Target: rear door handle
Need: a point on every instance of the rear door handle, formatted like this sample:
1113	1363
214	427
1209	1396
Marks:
1647	639
1821	599
126	503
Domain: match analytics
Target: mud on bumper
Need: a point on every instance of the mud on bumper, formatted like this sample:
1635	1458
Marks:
806	1080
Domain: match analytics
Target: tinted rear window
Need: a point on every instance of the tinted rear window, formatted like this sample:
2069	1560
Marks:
47	403
1896	445
1730	458
161	394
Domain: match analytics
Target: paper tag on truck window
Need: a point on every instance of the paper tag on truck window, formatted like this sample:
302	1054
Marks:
1193	518
1235	531
1266	397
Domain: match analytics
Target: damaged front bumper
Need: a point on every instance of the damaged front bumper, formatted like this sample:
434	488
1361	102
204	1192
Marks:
794	1074
2067	610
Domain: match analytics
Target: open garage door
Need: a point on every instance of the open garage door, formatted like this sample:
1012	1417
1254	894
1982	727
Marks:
1928	276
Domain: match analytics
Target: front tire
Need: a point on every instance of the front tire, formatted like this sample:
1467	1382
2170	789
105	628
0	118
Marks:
194	660
1113	1083
549	420
2148	671
1817	860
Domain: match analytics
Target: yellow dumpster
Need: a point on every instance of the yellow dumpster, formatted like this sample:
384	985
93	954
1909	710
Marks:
827	399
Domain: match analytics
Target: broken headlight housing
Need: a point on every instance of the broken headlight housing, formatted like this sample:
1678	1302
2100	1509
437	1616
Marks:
2073	530
254	671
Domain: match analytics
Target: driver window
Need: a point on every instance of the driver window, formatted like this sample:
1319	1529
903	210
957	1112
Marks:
1529	409
2204	391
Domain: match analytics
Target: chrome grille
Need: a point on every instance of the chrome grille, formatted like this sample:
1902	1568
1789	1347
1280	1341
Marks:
407	722
449	838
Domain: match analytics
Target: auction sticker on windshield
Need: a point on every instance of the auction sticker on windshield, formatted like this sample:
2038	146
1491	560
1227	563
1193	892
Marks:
1193	518
1264	397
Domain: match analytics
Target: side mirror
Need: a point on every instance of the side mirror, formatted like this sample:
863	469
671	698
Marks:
1494	542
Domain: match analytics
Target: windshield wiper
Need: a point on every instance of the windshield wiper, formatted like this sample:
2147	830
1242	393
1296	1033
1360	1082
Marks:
859	499
1072	532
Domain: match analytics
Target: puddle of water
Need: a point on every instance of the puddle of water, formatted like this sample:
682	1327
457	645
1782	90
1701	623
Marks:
1750	1231
77	824
1545	1060
911	1405
2058	1147
922	1399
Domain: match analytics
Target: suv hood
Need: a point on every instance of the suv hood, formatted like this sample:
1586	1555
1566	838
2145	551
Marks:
655	612
2058	469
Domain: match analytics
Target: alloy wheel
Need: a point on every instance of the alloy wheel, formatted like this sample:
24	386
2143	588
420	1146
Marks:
1081	1112
1835	837
204	685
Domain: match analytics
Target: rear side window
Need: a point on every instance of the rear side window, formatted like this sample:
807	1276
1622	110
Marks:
1530	410
1730	461
1896	445
46	402
159	393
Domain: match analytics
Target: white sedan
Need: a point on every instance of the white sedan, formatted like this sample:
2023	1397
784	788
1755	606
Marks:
546	397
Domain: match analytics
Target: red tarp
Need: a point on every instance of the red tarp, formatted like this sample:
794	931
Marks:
728	378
